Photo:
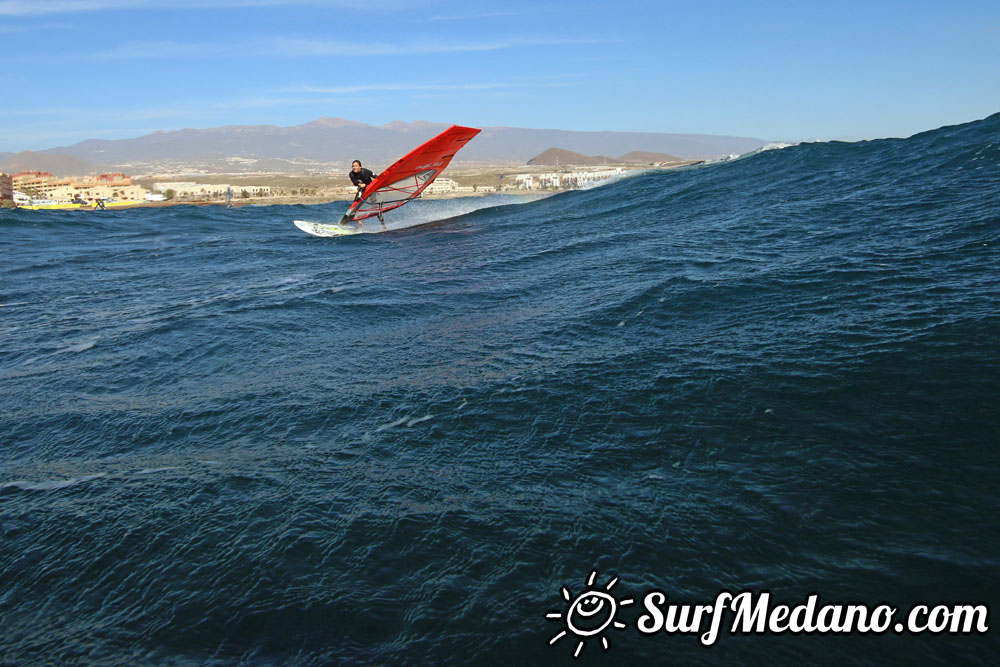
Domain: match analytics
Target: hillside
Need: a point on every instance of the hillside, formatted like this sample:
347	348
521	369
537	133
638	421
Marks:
558	157
54	163
646	157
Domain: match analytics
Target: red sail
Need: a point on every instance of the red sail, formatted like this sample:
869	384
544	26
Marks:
407	177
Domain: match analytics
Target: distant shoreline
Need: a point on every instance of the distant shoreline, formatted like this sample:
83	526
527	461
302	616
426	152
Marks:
262	201
325	189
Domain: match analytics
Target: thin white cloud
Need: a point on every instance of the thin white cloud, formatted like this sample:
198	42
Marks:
165	49
196	110
306	94
438	87
496	14
306	47
283	47
9	28
300	48
264	102
41	7
472	14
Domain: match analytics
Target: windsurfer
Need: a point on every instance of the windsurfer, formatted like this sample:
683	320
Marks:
361	178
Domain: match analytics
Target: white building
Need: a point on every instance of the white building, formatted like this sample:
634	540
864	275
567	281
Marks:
252	190
581	178
548	180
192	190
441	186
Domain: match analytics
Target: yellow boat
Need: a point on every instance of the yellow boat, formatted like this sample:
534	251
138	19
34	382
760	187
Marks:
42	205
52	206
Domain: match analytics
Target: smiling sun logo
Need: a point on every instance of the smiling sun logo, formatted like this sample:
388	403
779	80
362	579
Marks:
588	614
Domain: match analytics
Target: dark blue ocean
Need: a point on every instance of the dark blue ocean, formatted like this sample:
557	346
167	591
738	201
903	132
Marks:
224	441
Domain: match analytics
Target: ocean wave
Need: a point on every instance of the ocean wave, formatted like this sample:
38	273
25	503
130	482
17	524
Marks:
236	442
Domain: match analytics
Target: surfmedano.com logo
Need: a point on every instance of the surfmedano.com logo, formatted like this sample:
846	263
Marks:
589	614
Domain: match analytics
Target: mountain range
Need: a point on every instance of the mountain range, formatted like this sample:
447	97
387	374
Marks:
559	156
336	141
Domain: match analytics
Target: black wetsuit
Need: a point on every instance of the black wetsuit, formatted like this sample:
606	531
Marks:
362	180
364	177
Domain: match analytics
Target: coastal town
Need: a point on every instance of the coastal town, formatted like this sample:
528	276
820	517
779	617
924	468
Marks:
41	190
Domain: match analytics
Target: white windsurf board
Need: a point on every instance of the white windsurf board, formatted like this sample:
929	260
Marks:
327	229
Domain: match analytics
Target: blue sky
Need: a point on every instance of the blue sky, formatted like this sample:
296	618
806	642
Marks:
77	69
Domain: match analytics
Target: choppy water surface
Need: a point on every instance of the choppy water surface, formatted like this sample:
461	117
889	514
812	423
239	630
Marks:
223	440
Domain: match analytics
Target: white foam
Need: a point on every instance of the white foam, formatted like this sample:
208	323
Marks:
51	484
775	146
398	422
417	420
423	211
79	347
